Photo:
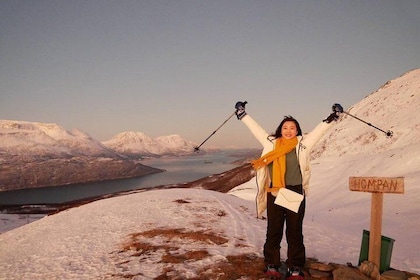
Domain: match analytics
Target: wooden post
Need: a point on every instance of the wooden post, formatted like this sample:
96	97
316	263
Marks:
375	236
376	186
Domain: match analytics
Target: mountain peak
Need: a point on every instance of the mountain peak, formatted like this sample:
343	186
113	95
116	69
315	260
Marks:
40	139
138	143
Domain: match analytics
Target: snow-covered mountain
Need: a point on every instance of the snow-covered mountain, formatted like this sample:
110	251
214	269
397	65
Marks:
395	107
22	138
138	143
36	154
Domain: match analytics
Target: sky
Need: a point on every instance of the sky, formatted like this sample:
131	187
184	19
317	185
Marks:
179	67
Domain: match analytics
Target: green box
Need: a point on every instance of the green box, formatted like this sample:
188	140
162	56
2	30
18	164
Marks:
386	251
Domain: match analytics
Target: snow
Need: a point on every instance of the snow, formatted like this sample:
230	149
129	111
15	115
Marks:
88	240
394	107
100	240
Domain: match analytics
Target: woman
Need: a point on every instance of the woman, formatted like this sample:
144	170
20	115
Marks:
284	165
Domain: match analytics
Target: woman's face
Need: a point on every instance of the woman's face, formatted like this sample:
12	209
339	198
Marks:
289	130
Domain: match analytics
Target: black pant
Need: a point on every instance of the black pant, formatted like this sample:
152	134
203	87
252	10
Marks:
277	216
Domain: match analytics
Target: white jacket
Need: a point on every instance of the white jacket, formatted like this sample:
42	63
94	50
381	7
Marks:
303	149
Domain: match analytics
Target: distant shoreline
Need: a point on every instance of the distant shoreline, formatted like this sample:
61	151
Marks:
222	182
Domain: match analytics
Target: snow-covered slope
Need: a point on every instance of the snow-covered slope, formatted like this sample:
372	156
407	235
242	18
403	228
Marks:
135	236
395	106
352	148
138	143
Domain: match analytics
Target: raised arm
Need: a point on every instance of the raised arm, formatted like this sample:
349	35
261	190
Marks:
259	133
315	135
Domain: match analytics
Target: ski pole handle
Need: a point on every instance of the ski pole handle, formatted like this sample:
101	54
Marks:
240	109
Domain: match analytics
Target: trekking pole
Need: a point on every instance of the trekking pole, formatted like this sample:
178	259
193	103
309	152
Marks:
197	148
388	133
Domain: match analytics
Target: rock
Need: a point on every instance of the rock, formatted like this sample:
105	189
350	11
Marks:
370	269
348	273
317	274
394	275
320	266
48	172
412	276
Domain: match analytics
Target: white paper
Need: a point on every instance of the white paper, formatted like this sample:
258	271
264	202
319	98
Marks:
289	199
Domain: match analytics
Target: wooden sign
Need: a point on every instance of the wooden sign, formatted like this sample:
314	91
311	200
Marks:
377	184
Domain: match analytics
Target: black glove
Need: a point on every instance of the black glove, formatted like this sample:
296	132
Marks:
240	109
337	110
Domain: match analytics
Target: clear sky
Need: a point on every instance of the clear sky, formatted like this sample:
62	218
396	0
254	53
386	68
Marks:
178	67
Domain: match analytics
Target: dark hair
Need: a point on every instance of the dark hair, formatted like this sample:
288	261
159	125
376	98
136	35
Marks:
277	134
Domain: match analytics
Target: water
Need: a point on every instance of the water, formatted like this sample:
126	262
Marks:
178	170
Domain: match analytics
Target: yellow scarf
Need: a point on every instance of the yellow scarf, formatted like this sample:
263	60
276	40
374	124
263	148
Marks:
278	158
